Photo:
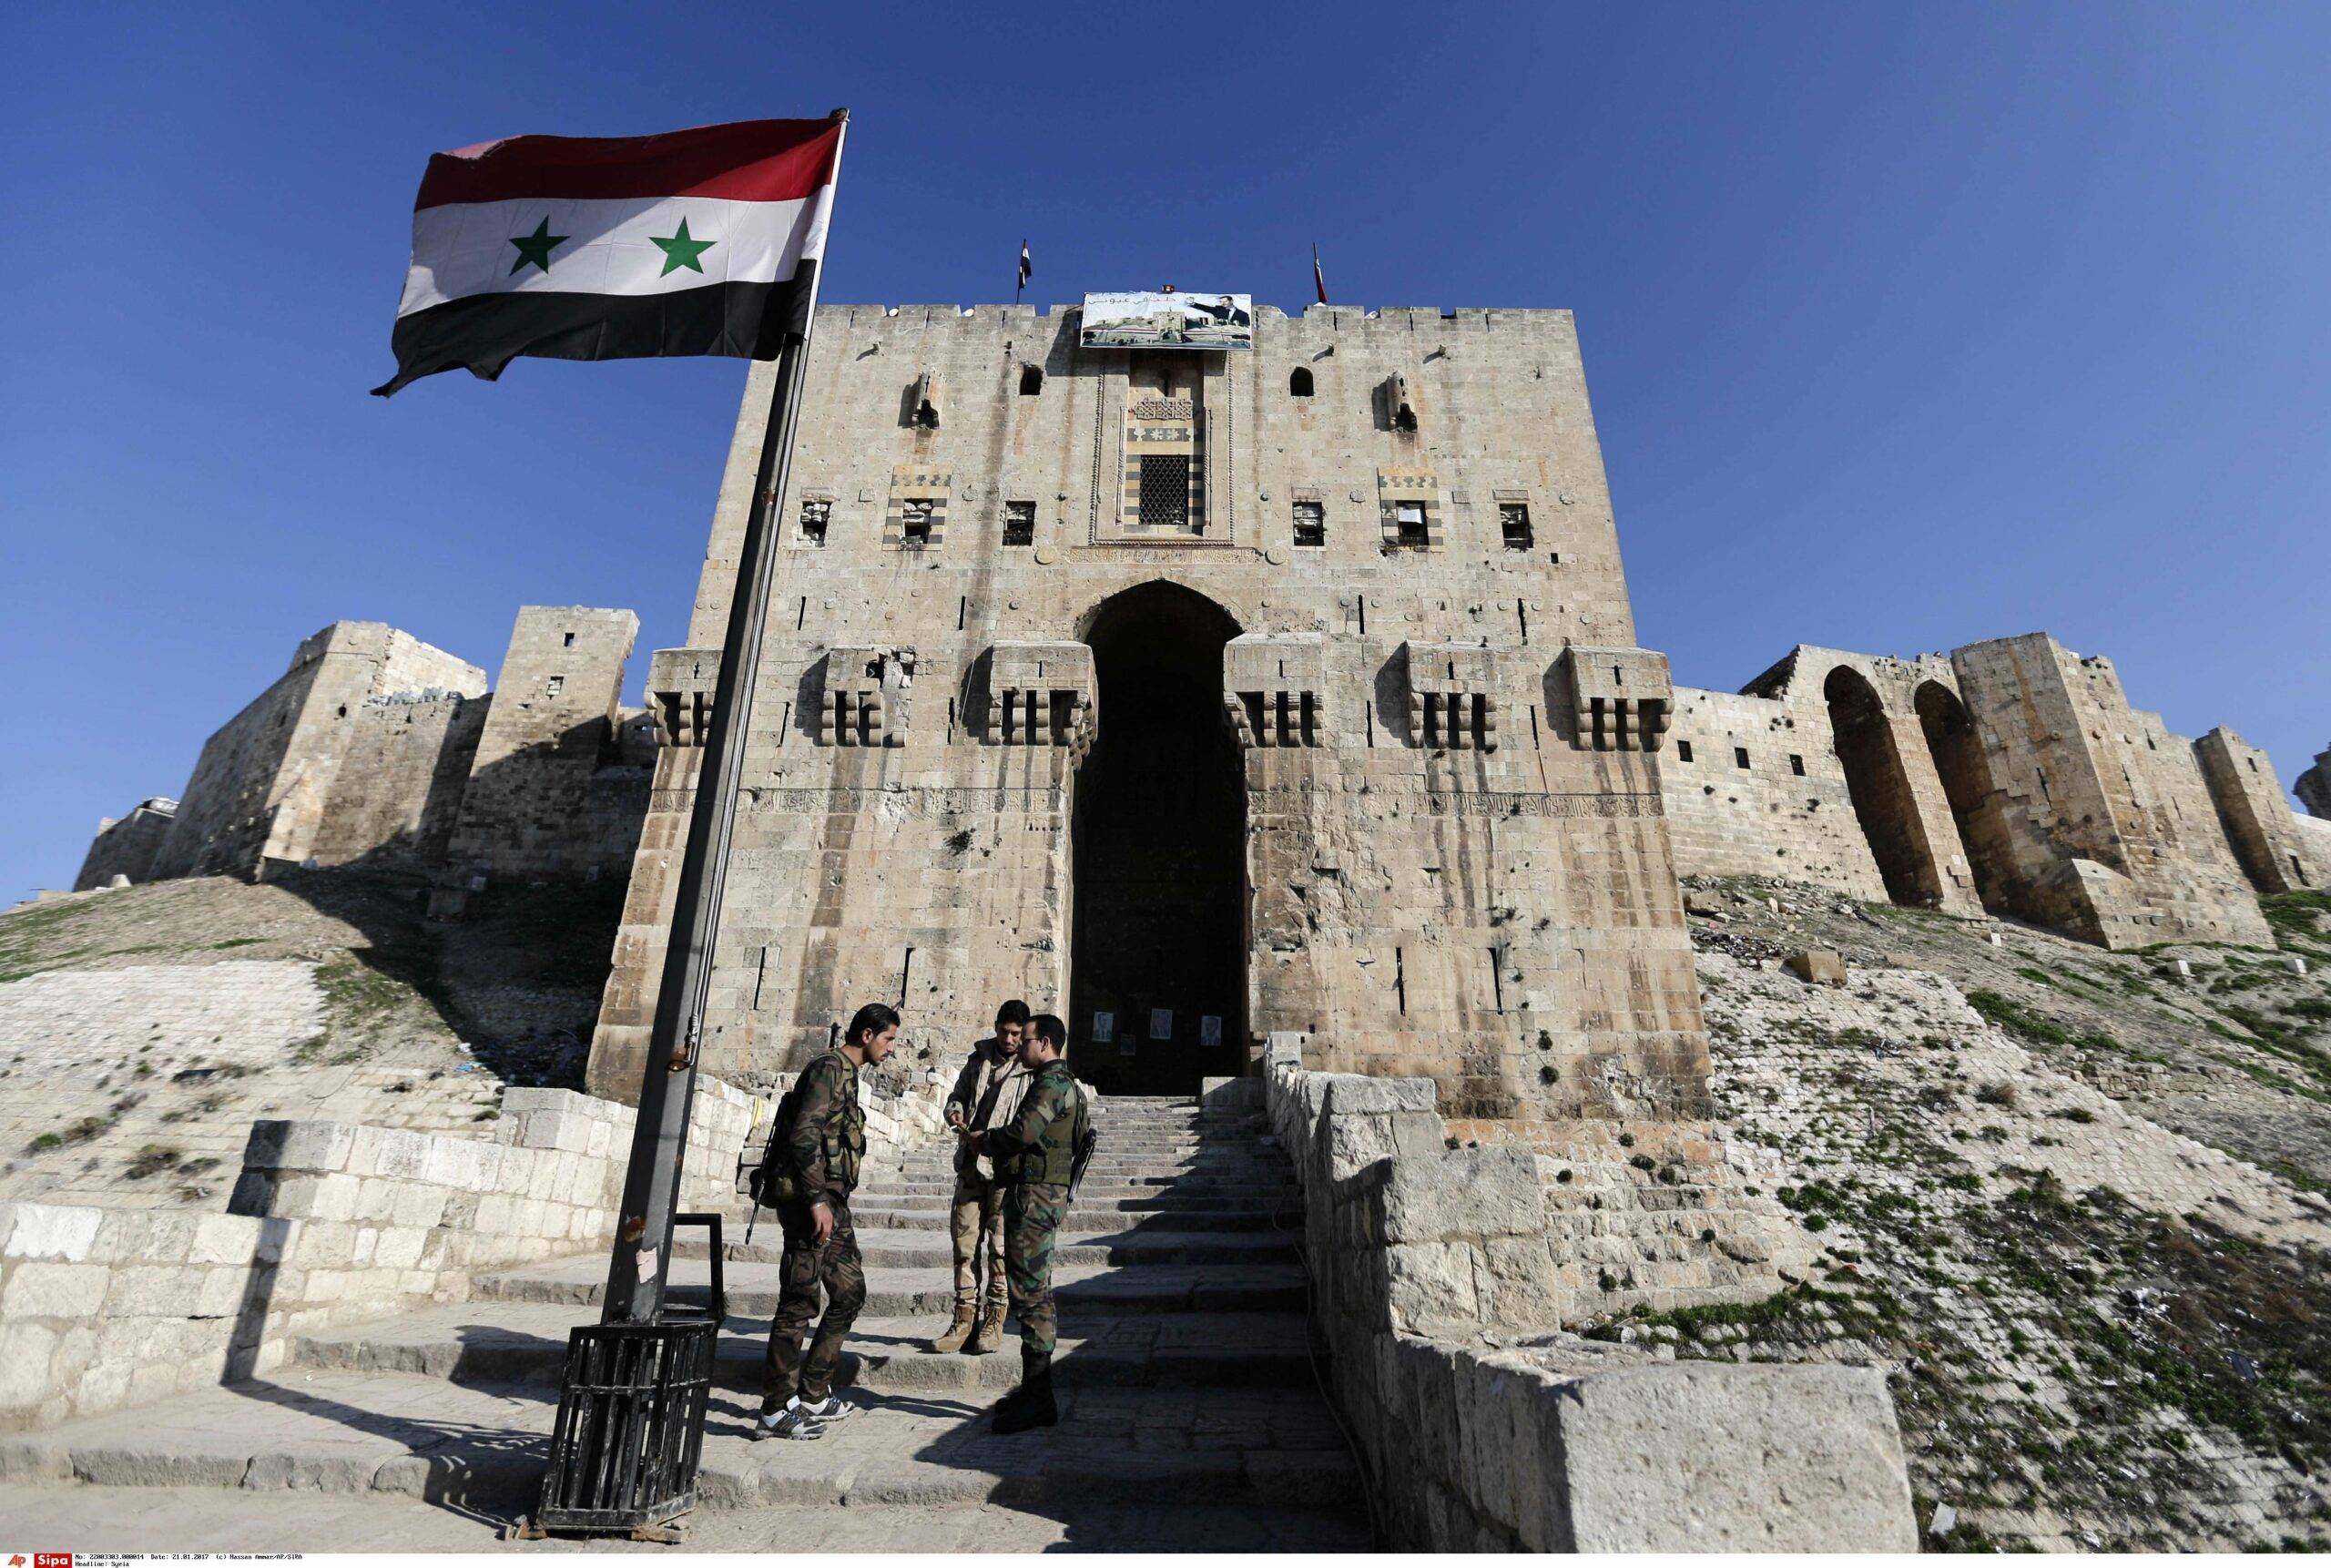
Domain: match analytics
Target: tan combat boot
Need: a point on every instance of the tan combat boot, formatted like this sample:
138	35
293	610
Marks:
958	1330
990	1334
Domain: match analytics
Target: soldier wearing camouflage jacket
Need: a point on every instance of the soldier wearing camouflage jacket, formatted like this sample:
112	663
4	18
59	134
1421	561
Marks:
823	1140
1035	1157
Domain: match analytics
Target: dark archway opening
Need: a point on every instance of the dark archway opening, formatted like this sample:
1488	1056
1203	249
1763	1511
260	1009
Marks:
1958	753
1883	803
1157	957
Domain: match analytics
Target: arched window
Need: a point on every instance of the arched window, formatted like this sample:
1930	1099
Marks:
1031	381
1298	384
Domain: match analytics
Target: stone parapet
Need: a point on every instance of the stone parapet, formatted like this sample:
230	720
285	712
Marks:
1442	1278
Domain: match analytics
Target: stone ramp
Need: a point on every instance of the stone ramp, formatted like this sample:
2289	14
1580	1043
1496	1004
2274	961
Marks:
1185	1374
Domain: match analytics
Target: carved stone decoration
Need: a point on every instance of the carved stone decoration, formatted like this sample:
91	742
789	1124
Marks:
1621	698
1040	694
680	683
1273	688
866	694
1452	701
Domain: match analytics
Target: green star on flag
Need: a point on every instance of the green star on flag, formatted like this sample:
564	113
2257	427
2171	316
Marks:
680	250
536	247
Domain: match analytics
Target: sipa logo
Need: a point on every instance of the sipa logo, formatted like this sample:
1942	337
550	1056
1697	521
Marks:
52	1560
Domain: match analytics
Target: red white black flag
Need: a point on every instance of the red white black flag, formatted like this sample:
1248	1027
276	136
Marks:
701	241
1027	266
1318	279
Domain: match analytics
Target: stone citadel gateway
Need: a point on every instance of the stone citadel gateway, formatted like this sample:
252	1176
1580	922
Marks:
1206	695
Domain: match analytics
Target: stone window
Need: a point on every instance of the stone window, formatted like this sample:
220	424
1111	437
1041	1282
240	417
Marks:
1031	381
1796	764
1409	529
1311	523
914	523
1298	382
569	642
557	684
1019	523
1740	757
1683	751
815	516
1513	524
1166	489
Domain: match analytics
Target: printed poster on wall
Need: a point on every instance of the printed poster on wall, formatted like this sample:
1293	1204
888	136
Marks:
1104	1028
1162	320
1209	1029
1161	1023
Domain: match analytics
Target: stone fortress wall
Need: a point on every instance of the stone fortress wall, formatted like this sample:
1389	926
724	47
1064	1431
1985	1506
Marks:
2010	777
1387	539
379	752
1379	551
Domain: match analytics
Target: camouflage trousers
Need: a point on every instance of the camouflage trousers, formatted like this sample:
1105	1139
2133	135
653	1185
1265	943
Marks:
977	1232
806	1268
1033	1212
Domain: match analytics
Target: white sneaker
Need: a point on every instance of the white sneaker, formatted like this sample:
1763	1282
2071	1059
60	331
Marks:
795	1421
830	1409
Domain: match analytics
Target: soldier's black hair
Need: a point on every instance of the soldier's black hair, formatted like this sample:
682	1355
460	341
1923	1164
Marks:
1013	1012
870	1019
1051	1031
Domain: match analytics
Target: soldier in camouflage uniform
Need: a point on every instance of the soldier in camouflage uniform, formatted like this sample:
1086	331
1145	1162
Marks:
823	1138
1035	1155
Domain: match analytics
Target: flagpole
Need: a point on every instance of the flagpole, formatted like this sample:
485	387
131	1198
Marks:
641	1261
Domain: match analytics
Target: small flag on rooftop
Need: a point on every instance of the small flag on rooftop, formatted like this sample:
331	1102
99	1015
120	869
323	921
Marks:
1027	267
1318	279
701	241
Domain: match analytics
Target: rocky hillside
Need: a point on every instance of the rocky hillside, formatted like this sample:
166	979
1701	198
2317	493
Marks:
142	1031
2073	1199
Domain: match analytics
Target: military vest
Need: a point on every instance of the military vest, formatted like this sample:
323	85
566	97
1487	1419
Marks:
846	1133
1051	1159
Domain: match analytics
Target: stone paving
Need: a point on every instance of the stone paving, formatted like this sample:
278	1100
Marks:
1184	1370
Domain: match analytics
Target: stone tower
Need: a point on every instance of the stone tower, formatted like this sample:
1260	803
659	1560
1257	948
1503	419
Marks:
1193	694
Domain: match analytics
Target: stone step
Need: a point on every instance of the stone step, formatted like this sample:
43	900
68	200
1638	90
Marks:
753	1288
520	1342
870	1215
323	1429
888	1248
1148	1203
1276	1191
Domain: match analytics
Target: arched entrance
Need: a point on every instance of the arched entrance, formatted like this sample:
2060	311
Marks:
1958	754
1880	789
1159	840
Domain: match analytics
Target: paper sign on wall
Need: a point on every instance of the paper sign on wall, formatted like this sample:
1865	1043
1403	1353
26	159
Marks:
1161	1023
1104	1027
1209	1029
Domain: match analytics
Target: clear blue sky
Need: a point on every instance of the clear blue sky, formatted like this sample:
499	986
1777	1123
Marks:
1906	326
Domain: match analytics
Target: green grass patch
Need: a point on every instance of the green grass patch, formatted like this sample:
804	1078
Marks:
2023	1023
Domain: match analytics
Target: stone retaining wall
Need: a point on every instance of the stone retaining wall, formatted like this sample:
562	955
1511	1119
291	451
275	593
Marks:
1436	1283
331	1223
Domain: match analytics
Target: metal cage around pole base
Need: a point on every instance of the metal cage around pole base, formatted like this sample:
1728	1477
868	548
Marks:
631	1409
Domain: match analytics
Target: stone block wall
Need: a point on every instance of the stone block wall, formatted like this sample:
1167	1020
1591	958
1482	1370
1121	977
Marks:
550	793
2258	823
331	1223
1436	1283
1763	818
264	788
126	848
399	788
2011	777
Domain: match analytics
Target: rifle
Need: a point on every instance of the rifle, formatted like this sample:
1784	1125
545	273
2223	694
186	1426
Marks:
1087	1142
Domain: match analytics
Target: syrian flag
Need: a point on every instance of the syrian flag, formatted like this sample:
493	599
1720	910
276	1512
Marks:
703	242
1318	279
1027	265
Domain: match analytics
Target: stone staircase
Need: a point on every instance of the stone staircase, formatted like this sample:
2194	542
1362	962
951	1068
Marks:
1184	1377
